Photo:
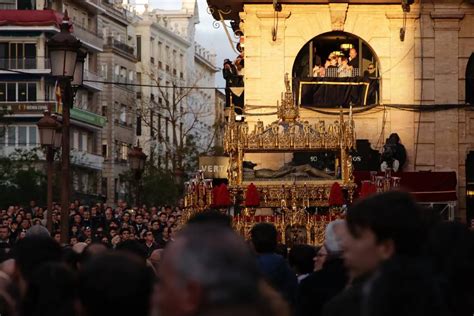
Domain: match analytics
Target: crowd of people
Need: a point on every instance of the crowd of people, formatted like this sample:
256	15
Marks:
386	257
337	65
154	226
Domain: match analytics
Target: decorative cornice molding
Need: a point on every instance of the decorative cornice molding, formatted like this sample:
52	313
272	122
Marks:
436	15
447	20
400	15
271	14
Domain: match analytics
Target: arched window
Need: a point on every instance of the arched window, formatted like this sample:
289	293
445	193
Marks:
336	69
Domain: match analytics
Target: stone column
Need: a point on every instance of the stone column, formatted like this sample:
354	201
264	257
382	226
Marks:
446	31
448	157
402	77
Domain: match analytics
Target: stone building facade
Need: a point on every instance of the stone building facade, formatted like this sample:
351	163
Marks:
424	70
29	89
205	99
172	67
118	100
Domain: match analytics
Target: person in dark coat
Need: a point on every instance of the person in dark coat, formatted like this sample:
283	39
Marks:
229	72
379	228
274	268
353	58
404	286
318	288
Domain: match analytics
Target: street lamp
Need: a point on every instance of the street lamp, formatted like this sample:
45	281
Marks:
79	70
58	137
47	129
137	159
67	65
49	133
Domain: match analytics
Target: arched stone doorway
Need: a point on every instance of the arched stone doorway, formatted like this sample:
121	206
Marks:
328	55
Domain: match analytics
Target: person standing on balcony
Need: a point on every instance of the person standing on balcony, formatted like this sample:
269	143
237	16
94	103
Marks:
353	58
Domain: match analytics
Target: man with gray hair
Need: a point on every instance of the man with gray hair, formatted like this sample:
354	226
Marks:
209	270
333	237
318	288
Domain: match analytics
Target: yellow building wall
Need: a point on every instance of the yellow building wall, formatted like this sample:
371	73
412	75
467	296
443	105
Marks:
428	67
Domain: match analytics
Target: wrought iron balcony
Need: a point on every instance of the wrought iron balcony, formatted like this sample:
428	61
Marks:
97	86
38	64
89	37
121	46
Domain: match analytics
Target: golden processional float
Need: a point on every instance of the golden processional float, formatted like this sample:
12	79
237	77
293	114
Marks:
284	186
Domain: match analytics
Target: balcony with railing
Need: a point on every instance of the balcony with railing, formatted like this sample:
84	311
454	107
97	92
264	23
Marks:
93	84
91	5
8	5
90	37
112	43
33	65
86	159
124	82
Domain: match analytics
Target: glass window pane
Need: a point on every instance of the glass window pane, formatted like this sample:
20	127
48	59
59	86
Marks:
22	135
84	142
11	91
30	56
4	55
19	55
11	136
26	4
32	91
3	132
30	50
22	92
79	146
3	91
13	51
32	140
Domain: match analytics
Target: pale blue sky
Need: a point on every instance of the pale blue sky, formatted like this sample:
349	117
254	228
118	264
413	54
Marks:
206	34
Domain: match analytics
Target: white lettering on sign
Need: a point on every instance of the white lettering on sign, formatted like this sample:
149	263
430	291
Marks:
314	158
212	168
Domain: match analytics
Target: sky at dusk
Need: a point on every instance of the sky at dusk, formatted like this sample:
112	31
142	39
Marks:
206	35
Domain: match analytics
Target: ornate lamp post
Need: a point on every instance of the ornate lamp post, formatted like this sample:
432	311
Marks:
137	159
67	65
48	131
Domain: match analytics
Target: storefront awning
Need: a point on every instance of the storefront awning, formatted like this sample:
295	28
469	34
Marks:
30	18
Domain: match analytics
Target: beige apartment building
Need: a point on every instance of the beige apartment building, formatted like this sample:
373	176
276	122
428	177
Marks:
118	99
30	90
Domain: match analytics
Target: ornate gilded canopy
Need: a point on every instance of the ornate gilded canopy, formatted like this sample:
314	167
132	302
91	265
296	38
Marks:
288	134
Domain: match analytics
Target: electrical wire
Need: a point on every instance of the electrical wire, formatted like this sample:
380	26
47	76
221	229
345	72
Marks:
356	110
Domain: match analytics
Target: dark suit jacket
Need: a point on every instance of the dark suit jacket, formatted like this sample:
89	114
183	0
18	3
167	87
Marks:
278	274
318	288
354	62
348	302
